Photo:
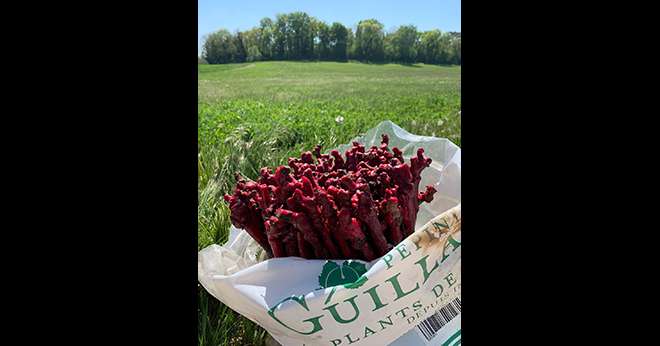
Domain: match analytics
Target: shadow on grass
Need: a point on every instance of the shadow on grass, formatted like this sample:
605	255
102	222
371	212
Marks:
377	63
415	65
388	63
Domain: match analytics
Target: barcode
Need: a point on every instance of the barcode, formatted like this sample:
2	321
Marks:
432	325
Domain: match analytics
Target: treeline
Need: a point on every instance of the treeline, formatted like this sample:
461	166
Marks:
298	36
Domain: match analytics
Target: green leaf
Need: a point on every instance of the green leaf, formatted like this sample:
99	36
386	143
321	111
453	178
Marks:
349	273
359	267
357	283
328	268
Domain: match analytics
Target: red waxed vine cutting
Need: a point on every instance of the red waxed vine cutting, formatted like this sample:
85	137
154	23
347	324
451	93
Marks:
333	208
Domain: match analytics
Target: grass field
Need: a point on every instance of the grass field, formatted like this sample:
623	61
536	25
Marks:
259	114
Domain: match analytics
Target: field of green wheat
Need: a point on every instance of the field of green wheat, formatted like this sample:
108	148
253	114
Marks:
259	114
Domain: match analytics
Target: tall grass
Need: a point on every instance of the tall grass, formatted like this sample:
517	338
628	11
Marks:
256	115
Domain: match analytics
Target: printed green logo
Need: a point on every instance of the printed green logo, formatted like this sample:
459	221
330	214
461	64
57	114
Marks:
349	274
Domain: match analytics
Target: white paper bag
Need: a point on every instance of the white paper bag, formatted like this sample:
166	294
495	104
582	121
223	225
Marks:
410	296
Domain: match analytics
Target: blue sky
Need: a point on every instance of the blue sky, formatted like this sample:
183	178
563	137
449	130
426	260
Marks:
244	14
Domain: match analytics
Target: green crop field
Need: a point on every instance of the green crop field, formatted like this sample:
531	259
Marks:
259	114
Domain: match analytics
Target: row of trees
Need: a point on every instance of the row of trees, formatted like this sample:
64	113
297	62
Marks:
298	36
